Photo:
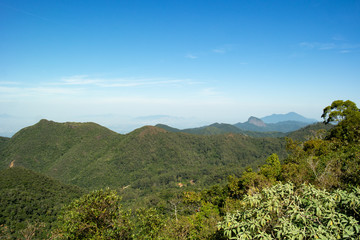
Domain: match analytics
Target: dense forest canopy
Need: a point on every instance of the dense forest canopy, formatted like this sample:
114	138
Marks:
310	191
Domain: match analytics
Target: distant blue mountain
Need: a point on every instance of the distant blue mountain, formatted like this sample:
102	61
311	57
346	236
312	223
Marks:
291	116
274	125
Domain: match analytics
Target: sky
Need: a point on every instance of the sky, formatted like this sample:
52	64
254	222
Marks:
185	63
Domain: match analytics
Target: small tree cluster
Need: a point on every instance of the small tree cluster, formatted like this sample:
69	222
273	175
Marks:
97	215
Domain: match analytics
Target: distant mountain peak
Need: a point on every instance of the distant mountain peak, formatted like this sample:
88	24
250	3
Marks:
291	116
256	121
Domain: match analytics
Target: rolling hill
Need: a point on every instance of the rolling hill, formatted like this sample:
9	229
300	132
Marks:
146	161
91	156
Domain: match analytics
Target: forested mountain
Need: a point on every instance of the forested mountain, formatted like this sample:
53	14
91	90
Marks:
181	185
311	131
91	156
222	128
213	129
26	195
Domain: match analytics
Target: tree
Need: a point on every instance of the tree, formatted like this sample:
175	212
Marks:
347	116
339	110
97	215
149	223
272	169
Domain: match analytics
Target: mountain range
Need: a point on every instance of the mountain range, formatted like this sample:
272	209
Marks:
147	160
291	116
276	125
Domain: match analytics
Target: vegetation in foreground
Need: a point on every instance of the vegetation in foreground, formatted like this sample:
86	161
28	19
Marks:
314	193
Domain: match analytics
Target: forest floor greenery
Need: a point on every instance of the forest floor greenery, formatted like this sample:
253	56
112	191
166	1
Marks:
311	193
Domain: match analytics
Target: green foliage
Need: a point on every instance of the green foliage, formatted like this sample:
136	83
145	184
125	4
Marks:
148	224
31	202
347	115
339	110
204	221
322	162
272	168
155	168
202	224
316	130
97	215
251	182
142	163
282	212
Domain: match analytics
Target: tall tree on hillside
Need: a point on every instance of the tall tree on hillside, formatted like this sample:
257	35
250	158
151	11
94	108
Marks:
347	116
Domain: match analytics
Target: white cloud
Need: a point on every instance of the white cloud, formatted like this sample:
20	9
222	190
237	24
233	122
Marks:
209	92
344	51
327	46
78	80
219	50
136	83
120	82
224	48
344	47
8	83
191	56
317	45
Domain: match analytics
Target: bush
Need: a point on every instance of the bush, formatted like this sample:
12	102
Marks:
282	212
97	215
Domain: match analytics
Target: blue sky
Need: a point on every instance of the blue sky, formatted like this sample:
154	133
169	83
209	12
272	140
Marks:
125	64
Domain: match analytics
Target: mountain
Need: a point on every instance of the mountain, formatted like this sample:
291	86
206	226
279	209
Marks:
146	160
256	121
257	125
291	116
26	196
276	125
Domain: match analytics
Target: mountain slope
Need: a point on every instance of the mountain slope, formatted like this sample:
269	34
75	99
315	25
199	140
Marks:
91	156
312	130
59	150
213	129
26	196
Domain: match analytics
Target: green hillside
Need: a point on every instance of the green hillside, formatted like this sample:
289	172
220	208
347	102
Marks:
145	160
221	128
177	185
3	142
309	131
27	197
213	129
